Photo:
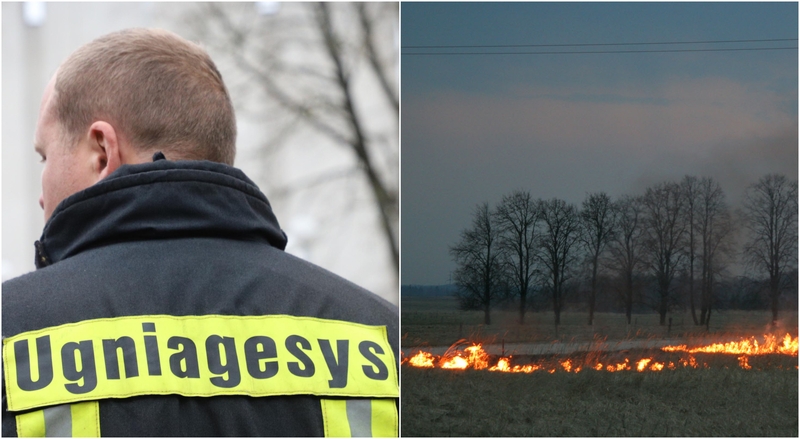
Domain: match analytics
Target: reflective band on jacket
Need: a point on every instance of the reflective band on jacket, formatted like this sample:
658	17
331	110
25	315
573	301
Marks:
197	356
359	417
73	420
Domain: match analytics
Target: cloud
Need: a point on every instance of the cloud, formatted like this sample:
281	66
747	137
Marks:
679	115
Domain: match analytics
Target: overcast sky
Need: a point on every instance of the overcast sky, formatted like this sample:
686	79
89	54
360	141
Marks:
476	127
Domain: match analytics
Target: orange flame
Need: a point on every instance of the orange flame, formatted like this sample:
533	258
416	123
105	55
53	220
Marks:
476	358
750	346
455	363
504	365
422	359
743	362
619	366
473	356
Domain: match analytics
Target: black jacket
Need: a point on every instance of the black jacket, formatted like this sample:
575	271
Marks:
184	238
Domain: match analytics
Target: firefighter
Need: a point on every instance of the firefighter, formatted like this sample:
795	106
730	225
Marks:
163	303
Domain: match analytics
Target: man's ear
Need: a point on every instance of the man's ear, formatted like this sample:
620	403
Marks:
105	144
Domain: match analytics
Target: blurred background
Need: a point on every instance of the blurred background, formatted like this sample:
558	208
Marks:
315	87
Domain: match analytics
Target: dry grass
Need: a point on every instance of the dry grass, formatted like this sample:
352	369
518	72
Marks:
707	402
438	322
722	400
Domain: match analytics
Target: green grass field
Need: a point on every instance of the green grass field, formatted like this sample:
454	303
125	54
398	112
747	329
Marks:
722	400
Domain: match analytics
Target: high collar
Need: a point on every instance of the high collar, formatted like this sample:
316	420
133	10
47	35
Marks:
158	200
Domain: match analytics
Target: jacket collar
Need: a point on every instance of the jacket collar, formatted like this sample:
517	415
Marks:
161	199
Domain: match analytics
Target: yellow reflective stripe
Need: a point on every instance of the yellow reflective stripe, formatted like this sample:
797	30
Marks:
73	420
197	356
31	424
385	418
85	419
334	418
360	417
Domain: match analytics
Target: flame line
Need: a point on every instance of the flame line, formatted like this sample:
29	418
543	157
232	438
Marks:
474	357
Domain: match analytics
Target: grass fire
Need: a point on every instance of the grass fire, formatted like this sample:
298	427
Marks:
463	355
739	377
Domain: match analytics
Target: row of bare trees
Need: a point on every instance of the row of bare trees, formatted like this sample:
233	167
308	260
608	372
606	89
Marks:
674	235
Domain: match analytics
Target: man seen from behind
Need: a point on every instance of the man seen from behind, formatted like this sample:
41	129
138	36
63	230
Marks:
163	303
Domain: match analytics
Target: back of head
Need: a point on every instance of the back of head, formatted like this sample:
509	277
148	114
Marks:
160	91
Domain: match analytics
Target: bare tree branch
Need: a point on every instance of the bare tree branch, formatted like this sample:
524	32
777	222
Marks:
517	216
627	246
770	212
599	219
477	254
665	230
359	142
561	233
372	55
318	90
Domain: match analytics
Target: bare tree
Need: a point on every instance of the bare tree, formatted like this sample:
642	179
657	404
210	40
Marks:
626	246
664	228
598	218
770	213
690	188
479	276
318	90
516	218
714	225
560	236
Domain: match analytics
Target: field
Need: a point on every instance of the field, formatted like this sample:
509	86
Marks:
722	400
727	402
438	322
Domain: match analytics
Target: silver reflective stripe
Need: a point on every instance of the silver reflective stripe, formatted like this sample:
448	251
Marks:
359	416
58	421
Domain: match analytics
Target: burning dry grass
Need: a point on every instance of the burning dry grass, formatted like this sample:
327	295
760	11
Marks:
746	387
706	402
569	389
464	355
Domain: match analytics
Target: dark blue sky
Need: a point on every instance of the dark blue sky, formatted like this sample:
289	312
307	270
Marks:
477	127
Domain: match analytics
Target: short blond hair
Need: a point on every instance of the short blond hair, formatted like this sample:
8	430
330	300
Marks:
161	91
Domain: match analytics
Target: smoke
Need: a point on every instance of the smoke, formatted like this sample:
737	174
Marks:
738	165
783	325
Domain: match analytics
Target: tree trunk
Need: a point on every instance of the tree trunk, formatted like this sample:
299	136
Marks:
629	296
774	311
557	310
522	305
691	270
556	300
691	296
774	293
704	294
486	315
593	293
662	311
